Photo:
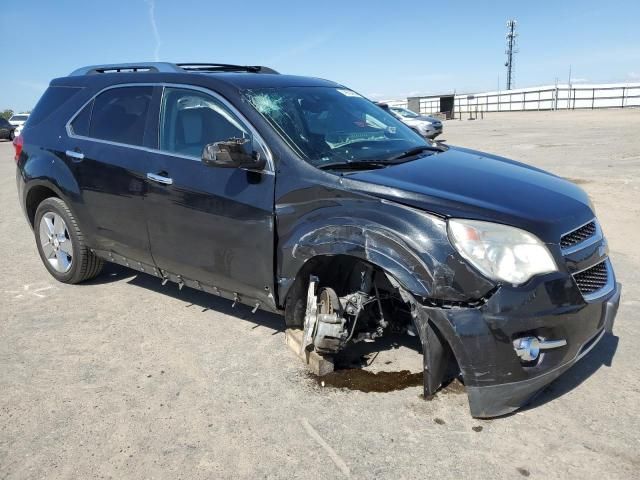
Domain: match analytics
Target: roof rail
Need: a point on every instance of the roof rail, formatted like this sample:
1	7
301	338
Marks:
127	68
165	67
224	67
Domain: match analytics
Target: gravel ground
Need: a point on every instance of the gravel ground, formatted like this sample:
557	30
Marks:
123	378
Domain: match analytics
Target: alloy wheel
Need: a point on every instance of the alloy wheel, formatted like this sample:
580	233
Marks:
56	242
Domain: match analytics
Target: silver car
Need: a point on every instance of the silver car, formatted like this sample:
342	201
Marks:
428	127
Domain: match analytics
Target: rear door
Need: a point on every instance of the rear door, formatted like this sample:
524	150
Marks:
110	164
208	224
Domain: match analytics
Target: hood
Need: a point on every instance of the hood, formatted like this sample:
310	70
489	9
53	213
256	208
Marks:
426	118
470	184
418	120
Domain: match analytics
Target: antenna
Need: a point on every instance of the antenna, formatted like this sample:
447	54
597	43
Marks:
511	50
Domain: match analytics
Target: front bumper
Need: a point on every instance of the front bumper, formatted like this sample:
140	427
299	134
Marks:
431	132
481	339
496	400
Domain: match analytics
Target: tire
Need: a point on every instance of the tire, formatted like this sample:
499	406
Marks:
61	244
12	135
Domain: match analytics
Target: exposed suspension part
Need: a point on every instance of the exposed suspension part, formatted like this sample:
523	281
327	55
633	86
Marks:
331	321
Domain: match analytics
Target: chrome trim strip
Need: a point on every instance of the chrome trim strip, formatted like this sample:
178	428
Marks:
269	170
76	155
596	237
549	344
160	179
595	342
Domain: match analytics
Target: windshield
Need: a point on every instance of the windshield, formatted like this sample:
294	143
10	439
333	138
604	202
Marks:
403	112
19	118
329	125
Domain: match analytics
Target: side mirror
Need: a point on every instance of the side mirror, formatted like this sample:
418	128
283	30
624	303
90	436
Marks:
232	153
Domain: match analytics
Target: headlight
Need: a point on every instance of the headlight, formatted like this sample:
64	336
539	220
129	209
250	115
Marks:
500	252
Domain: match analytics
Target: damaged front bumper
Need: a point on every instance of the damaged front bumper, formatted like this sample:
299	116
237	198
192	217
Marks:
497	380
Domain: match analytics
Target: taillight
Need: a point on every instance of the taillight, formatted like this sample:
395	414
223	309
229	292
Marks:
17	144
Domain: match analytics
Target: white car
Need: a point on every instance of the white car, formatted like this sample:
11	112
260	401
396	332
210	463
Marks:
428	127
19	119
18	129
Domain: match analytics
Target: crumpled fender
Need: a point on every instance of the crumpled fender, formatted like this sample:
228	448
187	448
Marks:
408	244
371	243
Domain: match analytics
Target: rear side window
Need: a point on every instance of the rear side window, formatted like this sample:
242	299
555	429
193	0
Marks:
120	114
53	98
80	124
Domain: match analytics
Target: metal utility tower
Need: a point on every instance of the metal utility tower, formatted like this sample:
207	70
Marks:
511	50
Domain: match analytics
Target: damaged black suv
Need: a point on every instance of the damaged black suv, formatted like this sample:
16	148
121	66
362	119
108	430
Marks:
299	196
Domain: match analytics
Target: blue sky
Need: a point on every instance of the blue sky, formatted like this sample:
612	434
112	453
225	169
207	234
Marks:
381	49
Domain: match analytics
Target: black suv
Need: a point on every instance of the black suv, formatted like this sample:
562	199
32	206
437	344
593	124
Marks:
299	196
6	129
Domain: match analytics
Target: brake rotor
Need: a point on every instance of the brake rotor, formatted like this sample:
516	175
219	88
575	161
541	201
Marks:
328	302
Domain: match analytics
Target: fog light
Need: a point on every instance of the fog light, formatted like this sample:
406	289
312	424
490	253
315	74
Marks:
528	348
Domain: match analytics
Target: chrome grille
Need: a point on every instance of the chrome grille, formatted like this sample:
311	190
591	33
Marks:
592	279
579	235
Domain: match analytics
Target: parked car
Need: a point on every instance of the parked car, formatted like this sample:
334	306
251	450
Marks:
7	131
19	119
298	196
426	126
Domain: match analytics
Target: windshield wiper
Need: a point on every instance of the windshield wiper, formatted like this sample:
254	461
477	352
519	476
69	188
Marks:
357	164
416	151
353	165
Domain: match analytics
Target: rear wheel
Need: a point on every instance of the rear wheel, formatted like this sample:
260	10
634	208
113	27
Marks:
12	135
61	243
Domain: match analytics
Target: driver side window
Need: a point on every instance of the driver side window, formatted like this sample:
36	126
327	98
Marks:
191	119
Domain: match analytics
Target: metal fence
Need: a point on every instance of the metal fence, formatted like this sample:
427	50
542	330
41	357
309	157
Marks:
561	97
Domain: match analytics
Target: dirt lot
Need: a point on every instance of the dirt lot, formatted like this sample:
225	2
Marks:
123	378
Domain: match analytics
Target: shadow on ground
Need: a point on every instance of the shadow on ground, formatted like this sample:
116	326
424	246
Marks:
601	356
353	362
194	298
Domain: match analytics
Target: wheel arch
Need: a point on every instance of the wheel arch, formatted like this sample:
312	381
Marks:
36	194
377	246
45	174
441	351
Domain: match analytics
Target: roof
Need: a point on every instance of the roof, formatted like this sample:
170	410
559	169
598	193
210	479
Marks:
239	76
248	81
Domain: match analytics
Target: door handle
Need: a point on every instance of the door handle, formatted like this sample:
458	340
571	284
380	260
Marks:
75	155
160	178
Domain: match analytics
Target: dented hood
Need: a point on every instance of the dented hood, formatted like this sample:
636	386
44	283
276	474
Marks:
470	184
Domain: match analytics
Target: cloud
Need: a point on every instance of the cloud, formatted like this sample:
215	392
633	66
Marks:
579	80
154	28
633	76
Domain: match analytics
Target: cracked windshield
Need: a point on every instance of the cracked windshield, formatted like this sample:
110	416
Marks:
333	126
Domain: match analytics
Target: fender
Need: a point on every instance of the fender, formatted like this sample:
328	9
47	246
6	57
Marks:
408	244
413	250
49	169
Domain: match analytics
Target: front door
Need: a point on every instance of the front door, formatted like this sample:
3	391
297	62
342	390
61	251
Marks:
209	224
